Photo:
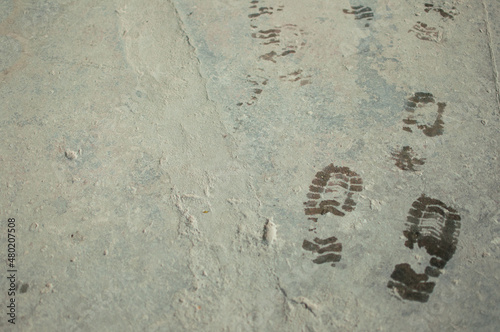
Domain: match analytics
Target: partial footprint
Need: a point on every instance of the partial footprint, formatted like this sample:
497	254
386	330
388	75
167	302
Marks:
322	246
258	84
297	76
410	285
424	32
424	114
447	13
269	36
261	10
406	159
434	226
282	40
276	42
332	191
361	13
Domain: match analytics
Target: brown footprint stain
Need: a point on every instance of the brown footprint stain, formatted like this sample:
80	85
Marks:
332	191
447	14
297	76
434	226
406	160
278	42
286	39
254	5
360	13
270	36
421	101
258	83
425	32
410	285
322	246
337	183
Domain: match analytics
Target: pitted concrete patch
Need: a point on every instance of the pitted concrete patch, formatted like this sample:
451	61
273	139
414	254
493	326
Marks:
6	7
10	52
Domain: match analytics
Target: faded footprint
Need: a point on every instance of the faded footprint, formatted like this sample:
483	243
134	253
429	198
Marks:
406	159
425	32
257	83
275	42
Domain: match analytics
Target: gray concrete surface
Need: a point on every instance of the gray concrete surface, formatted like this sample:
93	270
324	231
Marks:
147	147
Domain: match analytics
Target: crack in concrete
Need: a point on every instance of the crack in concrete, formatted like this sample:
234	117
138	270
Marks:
181	24
492	54
204	80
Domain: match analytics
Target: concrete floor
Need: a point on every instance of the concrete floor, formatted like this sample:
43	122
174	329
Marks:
250	165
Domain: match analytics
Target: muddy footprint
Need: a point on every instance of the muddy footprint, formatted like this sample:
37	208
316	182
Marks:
332	191
434	226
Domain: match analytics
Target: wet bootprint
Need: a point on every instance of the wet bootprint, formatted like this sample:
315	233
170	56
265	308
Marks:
332	191
405	159
418	101
360	13
434	226
424	32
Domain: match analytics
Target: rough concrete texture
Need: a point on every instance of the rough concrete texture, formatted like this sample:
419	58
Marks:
251	165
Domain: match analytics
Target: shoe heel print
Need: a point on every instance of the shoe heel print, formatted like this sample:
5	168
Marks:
414	105
329	246
360	13
435	227
410	285
332	191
